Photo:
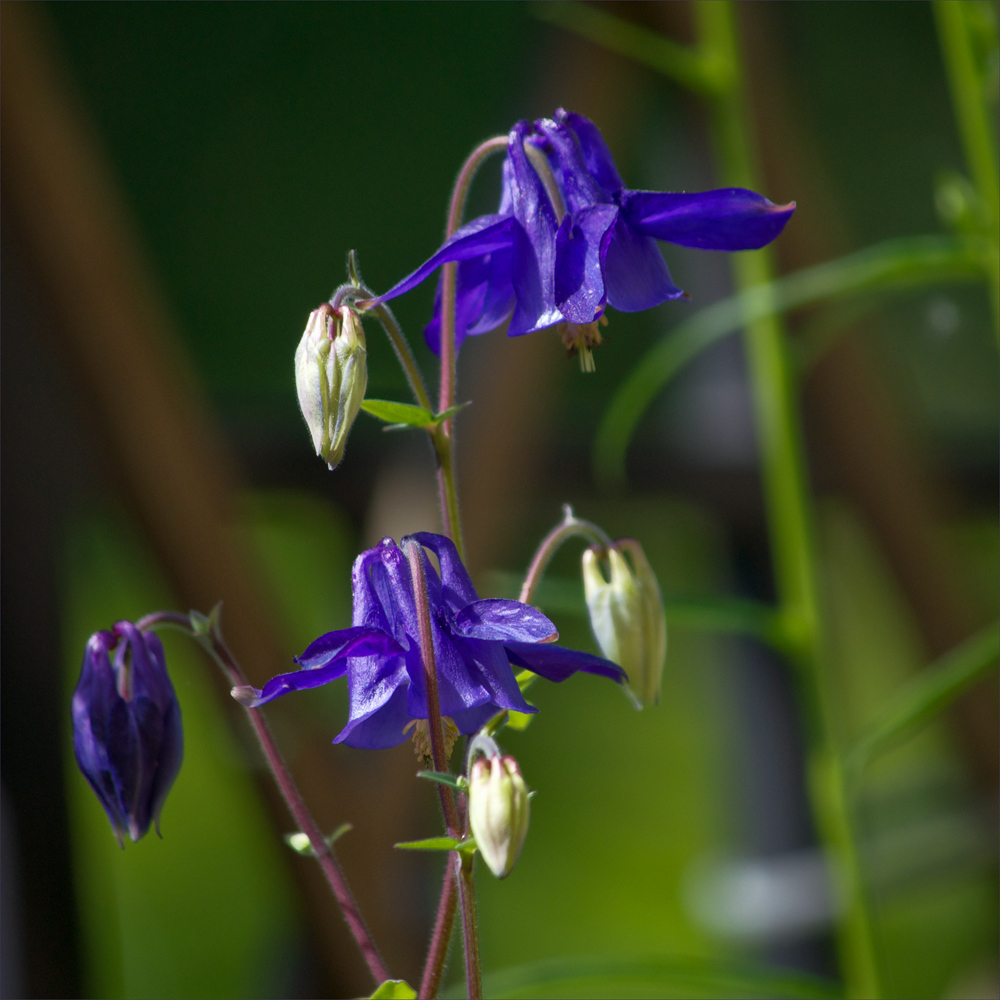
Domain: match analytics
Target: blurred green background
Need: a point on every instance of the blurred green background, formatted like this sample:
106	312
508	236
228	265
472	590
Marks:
254	145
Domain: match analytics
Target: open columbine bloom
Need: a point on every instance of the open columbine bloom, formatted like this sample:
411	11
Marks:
127	727
475	643
563	251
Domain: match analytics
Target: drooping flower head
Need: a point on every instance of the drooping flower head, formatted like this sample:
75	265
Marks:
475	643
127	727
569	239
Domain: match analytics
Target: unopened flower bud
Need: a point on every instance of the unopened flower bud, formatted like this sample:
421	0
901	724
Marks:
331	375
499	810
127	727
626	615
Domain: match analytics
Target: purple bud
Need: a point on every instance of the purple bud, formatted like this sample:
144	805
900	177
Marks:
127	727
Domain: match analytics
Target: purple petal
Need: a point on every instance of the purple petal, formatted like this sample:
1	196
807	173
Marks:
581	246
499	299
556	663
501	621
579	188
372	602
296	680
457	589
532	279
382	724
480	236
356	641
489	662
533	263
459	687
470	293
595	151
635	274
327	660
170	758
727	219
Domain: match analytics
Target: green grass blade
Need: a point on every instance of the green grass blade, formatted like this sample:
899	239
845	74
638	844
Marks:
891	265
930	692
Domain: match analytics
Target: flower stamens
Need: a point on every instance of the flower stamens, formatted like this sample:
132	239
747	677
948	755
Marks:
582	338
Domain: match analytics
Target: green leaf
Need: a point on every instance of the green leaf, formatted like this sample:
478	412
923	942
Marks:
454	781
300	843
891	265
394	989
403	415
398	414
600	976
519	720
466	846
450	412
930	692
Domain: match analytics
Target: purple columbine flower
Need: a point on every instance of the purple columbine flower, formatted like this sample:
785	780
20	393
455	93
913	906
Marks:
562	256
127	727
475	643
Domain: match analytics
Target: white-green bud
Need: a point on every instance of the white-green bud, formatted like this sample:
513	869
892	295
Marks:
331	375
499	809
627	617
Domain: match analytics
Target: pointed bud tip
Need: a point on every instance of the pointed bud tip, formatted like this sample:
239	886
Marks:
245	695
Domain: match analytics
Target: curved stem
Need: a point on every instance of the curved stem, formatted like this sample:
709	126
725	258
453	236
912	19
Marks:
401	346
211	640
444	437
414	554
456	208
444	450
406	359
571	527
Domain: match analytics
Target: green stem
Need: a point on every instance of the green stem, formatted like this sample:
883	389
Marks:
406	359
788	513
973	120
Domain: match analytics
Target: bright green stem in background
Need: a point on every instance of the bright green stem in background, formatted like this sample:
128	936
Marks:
973	120
775	393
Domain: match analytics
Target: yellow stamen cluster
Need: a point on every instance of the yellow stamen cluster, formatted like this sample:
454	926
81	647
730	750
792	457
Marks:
422	739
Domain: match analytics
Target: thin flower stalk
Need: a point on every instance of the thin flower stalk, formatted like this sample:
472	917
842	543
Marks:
570	527
473	972
216	647
445	434
444	921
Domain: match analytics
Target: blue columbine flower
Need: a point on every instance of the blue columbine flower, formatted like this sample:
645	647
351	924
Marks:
475	643
562	256
127	727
